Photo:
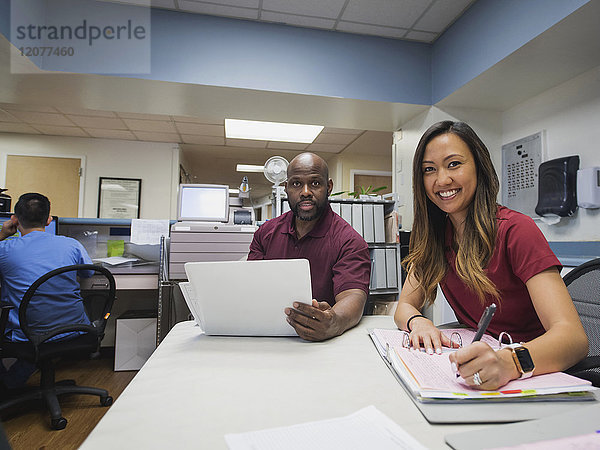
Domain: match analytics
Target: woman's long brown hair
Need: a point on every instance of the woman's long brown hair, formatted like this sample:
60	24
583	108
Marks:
426	260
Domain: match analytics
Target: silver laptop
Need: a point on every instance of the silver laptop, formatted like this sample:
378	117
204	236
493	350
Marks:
246	298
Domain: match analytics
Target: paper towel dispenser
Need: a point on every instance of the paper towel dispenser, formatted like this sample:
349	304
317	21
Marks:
557	187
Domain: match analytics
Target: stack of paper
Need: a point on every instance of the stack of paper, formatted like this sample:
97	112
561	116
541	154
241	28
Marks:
431	378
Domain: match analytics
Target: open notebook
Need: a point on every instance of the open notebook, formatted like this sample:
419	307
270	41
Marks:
429	378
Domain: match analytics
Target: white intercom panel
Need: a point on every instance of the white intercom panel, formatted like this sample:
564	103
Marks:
520	163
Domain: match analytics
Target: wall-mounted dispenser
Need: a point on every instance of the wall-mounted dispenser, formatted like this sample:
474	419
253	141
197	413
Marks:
588	187
557	188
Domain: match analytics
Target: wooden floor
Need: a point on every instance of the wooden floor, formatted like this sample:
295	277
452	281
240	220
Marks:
29	427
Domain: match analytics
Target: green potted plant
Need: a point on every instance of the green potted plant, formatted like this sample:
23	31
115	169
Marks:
362	192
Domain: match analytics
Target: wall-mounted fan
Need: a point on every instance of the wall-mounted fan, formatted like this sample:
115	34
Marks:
275	171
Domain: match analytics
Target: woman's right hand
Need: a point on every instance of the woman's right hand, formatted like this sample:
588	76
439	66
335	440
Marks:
425	334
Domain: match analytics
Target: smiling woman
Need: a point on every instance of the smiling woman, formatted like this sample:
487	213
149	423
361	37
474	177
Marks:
481	253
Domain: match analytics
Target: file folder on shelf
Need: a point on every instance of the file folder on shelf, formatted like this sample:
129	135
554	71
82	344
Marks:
378	223
391	268
357	217
346	212
368	222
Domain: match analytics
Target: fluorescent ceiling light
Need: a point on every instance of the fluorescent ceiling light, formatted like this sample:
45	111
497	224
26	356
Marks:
271	131
249	168
234	191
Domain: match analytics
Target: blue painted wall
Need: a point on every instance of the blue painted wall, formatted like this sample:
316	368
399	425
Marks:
197	49
487	33
236	53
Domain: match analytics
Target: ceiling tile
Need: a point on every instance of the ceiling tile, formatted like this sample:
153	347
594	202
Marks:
62	131
196	128
163	4
287	145
329	148
335	138
441	14
250	143
197	139
371	29
191	119
19	107
301	21
6	127
7	117
130	115
86	112
110	134
240	3
157	137
392	13
327	9
342	131
98	122
422	36
159	126
41	118
218	10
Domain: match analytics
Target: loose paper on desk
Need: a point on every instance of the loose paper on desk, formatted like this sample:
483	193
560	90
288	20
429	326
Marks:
366	429
144	232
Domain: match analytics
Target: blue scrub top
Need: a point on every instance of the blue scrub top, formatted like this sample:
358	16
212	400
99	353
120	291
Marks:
22	261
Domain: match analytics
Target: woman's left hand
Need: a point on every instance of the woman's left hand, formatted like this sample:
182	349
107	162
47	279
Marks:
484	368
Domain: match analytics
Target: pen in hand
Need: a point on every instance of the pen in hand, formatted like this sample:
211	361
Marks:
485	320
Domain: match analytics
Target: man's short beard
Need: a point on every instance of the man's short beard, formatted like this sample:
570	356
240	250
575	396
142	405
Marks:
318	213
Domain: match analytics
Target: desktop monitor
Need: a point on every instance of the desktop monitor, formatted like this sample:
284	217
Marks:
52	228
203	203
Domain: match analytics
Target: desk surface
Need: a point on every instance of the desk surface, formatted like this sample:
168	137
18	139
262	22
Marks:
195	389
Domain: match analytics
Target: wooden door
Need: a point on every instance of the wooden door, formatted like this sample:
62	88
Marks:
56	178
375	181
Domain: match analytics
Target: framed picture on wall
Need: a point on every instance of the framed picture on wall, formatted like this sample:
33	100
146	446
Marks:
119	198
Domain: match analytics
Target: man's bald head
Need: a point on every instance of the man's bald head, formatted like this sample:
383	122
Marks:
309	161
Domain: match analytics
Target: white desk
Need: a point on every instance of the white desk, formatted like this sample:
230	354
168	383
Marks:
195	389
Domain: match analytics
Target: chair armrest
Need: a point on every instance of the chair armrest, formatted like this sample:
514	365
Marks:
3	321
41	338
590	362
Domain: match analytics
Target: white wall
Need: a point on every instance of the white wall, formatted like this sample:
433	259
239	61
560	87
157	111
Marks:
157	164
570	116
487	124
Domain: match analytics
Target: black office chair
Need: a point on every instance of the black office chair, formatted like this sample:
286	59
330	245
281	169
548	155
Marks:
583	283
42	351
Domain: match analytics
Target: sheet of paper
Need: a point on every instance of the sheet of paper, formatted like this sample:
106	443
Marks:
366	429
588	441
145	231
114	260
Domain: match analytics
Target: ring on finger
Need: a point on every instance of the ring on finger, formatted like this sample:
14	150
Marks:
477	379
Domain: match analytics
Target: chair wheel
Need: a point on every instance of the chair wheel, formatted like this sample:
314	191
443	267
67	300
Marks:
106	401
58	424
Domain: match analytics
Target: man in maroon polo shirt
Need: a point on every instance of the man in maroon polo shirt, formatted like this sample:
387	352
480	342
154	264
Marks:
339	257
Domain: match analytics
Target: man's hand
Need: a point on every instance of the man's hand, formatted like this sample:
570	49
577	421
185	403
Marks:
9	228
315	322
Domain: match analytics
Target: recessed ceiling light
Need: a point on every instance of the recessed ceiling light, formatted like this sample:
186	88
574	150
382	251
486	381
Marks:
271	131
249	168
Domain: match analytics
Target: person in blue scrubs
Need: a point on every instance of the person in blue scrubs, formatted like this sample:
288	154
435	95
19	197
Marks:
22	261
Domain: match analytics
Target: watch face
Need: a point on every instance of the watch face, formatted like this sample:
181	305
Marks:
524	359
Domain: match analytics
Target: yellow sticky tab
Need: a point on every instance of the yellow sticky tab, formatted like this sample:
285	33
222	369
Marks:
106	316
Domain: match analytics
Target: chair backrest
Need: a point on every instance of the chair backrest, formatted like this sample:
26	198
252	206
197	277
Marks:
39	323
583	283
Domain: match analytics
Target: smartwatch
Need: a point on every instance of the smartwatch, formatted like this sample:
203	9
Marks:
522	360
